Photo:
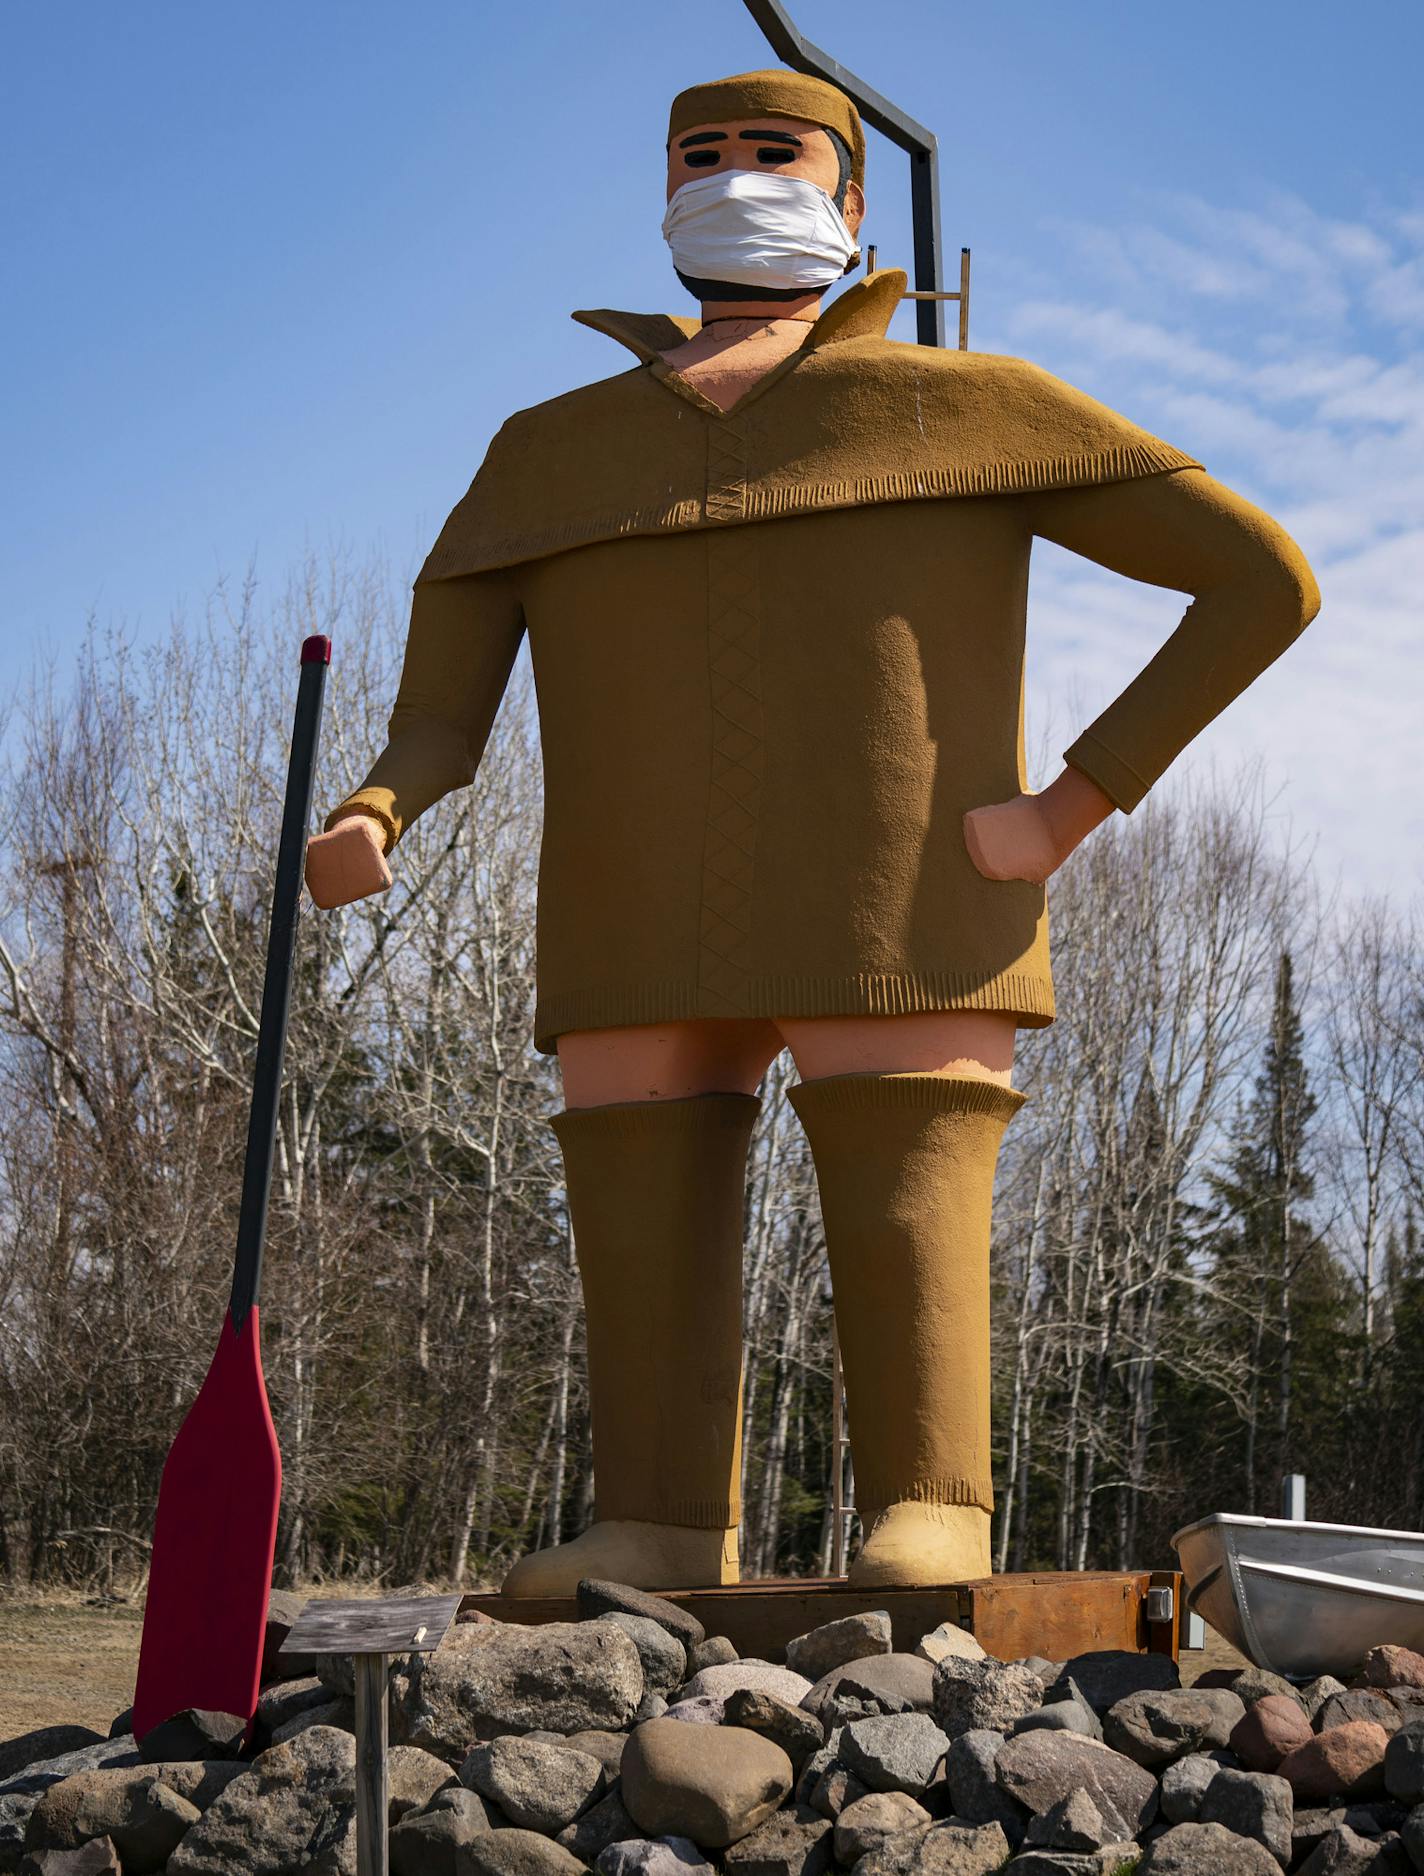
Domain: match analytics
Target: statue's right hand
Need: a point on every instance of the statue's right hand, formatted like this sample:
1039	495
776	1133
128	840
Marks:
348	863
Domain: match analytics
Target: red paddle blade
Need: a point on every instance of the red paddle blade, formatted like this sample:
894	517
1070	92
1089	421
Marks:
213	1541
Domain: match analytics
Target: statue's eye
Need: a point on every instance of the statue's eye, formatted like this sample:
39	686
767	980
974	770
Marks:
701	159
776	156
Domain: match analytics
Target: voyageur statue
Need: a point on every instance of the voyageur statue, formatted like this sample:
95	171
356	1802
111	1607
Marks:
774	579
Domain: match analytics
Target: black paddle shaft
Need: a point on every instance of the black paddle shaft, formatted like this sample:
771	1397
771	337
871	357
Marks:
277	984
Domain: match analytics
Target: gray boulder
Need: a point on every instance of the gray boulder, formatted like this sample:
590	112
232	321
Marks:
287	1700
1074	1823
605	1823
22	1790
896	1752
98	1857
517	1853
949	1639
1205	1850
794	1841
1343	1852
974	1791
1163	1724
715	1652
871	1821
836	1644
1184	1785
1039	1769
340	1713
1062	1716
489	1679
663	1656
761	1677
432	1840
977	1695
143	1817
1359	1703
1253	1684
606	1747
1252	1804
653	1856
44	1742
595	1598
194	1734
294	1804
715	1784
1107	1675
792	1728
705	1710
1107	1860
836	1790
942	1850
893	1683
536	1786
1404	1764
1315	1693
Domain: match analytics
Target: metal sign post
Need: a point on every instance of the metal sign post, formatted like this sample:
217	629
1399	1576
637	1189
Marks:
793	48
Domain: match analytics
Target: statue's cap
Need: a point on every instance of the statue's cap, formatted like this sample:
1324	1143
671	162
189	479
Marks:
772	94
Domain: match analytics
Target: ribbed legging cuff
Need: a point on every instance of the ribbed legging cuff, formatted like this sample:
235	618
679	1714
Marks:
698	1514
935	1094
876	1495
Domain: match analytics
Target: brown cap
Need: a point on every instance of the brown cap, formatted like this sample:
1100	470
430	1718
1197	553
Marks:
772	94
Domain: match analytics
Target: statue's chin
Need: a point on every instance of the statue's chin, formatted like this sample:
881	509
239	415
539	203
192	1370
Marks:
737	291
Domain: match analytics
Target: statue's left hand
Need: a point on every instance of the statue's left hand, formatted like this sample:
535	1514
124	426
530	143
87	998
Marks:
1031	836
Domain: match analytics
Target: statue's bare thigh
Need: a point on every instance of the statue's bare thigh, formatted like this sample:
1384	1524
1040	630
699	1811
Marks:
670	1061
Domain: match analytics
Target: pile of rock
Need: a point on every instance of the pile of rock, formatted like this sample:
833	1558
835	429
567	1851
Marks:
631	1744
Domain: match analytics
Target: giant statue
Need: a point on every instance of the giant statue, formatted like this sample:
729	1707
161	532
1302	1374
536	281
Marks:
774	576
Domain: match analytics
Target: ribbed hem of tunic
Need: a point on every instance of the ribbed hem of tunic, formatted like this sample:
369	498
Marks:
930	1094
876	1495
1027	998
699	1514
687	1114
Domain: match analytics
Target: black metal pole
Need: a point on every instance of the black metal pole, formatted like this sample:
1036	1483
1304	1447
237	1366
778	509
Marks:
277	984
793	48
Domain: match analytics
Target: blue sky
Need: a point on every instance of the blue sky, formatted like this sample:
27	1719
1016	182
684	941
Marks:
275	274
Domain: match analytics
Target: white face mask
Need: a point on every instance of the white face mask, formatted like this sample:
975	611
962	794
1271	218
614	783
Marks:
757	230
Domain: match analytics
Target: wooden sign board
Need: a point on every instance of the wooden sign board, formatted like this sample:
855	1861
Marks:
1051	1614
394	1625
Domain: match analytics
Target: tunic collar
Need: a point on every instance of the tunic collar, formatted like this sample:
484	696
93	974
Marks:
863	311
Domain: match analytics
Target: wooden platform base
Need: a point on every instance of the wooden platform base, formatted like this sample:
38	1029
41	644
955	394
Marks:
1010	1616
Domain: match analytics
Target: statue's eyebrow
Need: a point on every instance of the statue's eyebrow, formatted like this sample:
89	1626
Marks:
769	136
703	136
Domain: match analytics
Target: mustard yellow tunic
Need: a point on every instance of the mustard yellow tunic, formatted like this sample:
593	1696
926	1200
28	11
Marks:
779	652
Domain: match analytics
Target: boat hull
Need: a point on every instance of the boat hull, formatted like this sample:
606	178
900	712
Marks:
1301	1598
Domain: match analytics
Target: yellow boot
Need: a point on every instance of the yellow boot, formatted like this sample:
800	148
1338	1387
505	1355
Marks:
905	1165
656	1194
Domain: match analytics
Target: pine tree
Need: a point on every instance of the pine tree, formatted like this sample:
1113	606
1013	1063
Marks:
1263	1243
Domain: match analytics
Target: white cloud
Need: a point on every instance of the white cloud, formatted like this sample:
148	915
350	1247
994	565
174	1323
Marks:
1282	346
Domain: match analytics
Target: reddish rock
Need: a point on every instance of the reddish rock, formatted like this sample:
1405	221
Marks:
1271	1729
1346	1761
1393	1667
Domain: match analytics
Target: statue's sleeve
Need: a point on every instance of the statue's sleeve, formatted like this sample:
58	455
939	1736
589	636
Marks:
464	635
1252	594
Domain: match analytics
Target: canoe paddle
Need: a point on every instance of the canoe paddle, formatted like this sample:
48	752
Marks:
216	1527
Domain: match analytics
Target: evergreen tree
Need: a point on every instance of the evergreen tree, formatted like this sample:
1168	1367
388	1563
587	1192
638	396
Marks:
1262	1243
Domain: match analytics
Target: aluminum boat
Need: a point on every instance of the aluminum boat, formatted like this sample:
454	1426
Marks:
1304	1599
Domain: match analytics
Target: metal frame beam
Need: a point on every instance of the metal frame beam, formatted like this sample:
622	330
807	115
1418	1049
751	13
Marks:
793	48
